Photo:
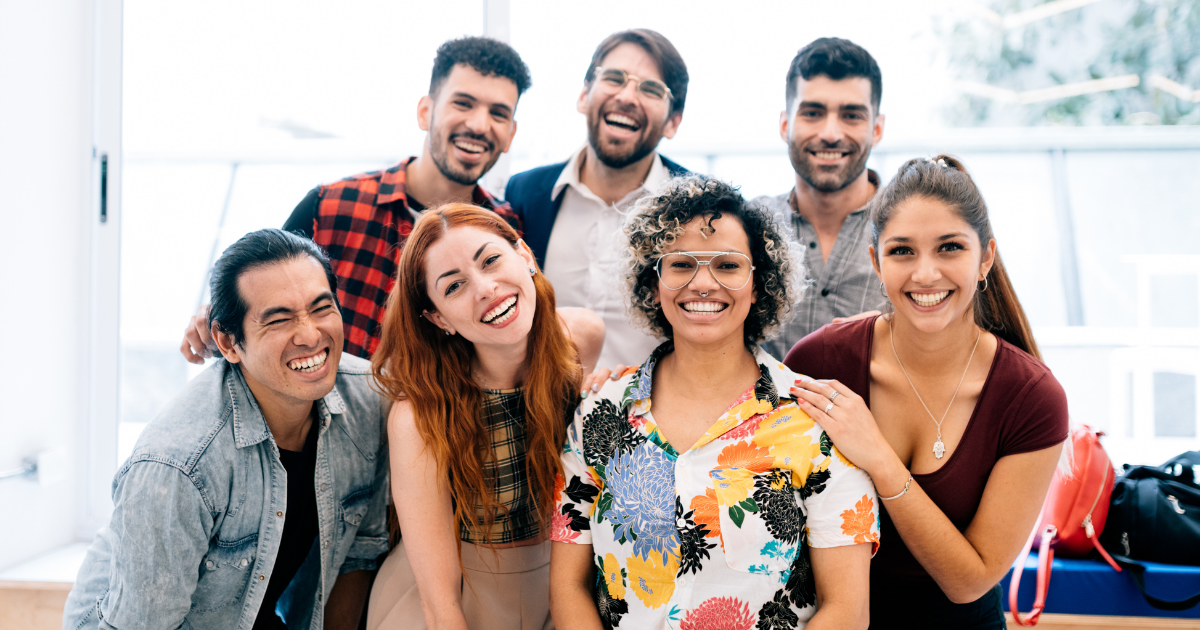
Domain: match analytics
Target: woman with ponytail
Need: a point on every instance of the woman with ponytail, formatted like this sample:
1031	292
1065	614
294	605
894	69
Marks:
485	375
944	402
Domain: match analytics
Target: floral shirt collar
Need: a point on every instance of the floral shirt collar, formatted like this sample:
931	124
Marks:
775	378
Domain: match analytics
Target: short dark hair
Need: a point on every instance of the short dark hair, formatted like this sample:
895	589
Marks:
256	249
670	64
837	59
658	219
488	56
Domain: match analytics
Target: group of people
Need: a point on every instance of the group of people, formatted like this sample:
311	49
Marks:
423	415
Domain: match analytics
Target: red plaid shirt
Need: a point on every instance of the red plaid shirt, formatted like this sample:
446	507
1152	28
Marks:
362	222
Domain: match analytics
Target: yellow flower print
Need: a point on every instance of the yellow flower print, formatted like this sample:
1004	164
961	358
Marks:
732	485
781	424
796	452
612	575
651	580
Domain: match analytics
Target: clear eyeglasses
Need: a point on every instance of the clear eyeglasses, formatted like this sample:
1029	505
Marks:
615	79
730	269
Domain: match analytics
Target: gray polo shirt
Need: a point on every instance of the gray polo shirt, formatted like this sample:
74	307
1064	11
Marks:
844	285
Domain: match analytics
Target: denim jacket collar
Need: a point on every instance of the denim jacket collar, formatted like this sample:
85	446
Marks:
249	425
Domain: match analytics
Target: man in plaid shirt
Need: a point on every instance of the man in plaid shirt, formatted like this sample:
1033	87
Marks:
362	221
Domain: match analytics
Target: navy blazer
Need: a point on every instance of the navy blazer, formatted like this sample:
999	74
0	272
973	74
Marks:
529	195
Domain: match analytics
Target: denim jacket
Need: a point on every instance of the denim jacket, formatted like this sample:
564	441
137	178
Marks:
199	510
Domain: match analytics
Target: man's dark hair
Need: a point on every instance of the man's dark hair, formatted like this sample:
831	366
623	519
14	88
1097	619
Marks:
256	249
488	56
837	59
670	64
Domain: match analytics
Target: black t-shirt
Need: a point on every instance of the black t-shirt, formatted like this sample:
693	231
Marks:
303	219
299	527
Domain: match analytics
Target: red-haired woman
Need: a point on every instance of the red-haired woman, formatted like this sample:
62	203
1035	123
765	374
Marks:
944	402
485	376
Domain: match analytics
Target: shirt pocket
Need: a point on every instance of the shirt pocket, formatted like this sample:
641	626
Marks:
354	509
761	521
225	574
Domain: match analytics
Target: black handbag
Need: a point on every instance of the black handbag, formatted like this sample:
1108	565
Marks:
1154	515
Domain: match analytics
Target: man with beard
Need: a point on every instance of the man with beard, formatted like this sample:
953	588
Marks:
831	122
633	96
362	221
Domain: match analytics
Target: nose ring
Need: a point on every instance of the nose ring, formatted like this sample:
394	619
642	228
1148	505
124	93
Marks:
705	294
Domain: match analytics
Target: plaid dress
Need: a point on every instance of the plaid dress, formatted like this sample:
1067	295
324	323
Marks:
516	519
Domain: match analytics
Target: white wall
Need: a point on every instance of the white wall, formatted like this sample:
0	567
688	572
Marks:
45	207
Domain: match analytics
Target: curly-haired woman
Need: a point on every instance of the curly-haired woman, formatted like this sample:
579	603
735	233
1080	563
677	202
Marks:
700	496
484	373
944	402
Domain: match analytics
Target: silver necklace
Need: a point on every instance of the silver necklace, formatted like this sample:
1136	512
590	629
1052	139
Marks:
939	448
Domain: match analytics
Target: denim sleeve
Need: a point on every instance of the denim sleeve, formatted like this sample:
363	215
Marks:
161	526
371	540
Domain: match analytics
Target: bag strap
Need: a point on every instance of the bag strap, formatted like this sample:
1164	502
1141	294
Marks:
1045	560
1137	571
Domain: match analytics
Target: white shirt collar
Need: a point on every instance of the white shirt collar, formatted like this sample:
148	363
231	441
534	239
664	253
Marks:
570	176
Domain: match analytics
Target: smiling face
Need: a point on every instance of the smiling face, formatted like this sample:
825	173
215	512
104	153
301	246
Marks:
704	312
292	333
480	287
930	261
470	123
830	130
625	126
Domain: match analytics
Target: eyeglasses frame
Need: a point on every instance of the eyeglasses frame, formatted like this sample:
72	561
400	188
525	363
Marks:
711	255
640	81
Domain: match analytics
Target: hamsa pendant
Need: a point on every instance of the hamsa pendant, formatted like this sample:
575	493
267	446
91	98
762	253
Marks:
939	449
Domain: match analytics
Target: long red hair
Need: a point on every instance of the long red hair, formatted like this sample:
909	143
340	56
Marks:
417	362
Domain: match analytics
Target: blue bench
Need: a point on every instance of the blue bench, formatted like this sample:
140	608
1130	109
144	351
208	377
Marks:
1091	587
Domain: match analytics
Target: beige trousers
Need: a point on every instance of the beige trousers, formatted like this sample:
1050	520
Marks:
506	591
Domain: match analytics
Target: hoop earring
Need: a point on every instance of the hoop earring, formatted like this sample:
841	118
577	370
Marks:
985	285
883	291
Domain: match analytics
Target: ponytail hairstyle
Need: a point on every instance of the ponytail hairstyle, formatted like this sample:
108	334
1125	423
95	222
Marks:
417	362
996	309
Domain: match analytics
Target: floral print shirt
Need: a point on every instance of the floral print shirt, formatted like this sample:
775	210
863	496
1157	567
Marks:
717	536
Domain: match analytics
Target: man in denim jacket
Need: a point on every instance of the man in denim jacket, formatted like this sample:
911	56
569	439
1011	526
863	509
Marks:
256	497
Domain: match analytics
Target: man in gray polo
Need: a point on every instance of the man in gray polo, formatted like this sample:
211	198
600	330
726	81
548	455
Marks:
831	122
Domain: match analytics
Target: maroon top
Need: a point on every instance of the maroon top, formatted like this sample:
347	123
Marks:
1021	408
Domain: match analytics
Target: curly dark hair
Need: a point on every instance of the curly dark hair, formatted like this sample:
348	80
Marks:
658	219
488	56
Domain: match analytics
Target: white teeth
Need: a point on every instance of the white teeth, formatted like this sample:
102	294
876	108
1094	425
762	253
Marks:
621	120
493	316
468	147
310	364
827	155
703	307
929	299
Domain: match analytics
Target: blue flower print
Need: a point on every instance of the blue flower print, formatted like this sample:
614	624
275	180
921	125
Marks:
642	484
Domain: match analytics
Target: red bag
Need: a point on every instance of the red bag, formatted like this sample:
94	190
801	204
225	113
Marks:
1072	517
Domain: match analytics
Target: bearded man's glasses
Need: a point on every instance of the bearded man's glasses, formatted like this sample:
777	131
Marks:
614	79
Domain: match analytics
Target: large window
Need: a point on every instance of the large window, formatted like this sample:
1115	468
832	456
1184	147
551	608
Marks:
233	110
